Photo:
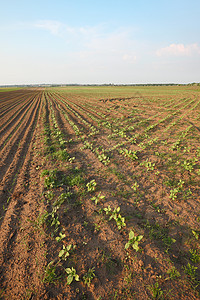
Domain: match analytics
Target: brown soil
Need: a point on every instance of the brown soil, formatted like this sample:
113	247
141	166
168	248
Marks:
30	143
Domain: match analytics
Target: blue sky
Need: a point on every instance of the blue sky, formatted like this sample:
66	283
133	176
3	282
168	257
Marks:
99	41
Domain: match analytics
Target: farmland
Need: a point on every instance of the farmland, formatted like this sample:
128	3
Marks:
100	190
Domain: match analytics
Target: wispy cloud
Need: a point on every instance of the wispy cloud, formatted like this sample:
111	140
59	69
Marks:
179	50
94	42
53	27
63	30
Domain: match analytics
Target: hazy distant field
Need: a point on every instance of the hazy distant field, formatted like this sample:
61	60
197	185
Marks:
100	190
8	89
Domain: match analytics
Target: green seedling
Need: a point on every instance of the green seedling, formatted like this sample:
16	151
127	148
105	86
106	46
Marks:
104	159
65	252
41	219
114	215
85	223
61	199
189	164
51	181
129	153
157	292
190	271
195	256
173	193
50	275
108	210
71	159
97	198
44	173
91	186
198	172
60	237
173	273
87	145
133	241
50	195
61	155
135	186
54	218
148	164
97	227
196	235
71	275
87	278
75	179
168	241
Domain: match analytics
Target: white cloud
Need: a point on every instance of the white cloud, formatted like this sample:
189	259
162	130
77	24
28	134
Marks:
63	30
54	27
179	50
94	43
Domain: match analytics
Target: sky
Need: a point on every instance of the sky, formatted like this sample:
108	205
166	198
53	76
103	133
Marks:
107	41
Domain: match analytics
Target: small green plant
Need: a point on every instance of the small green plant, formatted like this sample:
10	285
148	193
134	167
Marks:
116	216
60	237
97	198
129	153
157	292
168	241
173	193
51	181
133	241
41	219
148	164
71	275
189	165
50	275
65	252
44	173
91	186
195	256
61	199
97	227
54	221
173	273
71	159
61	155
196	235
75	179
87	278
135	186
104	159
49	195
190	271
85	223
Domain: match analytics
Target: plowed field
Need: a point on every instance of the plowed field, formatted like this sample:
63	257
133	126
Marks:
99	193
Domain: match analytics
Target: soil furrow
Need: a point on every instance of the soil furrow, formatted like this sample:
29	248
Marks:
13	116
105	183
14	123
80	110
23	249
12	105
14	168
9	150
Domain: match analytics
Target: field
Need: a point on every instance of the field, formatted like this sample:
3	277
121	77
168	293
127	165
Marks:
99	193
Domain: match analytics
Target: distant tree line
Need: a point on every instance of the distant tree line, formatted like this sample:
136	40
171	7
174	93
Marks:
104	84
